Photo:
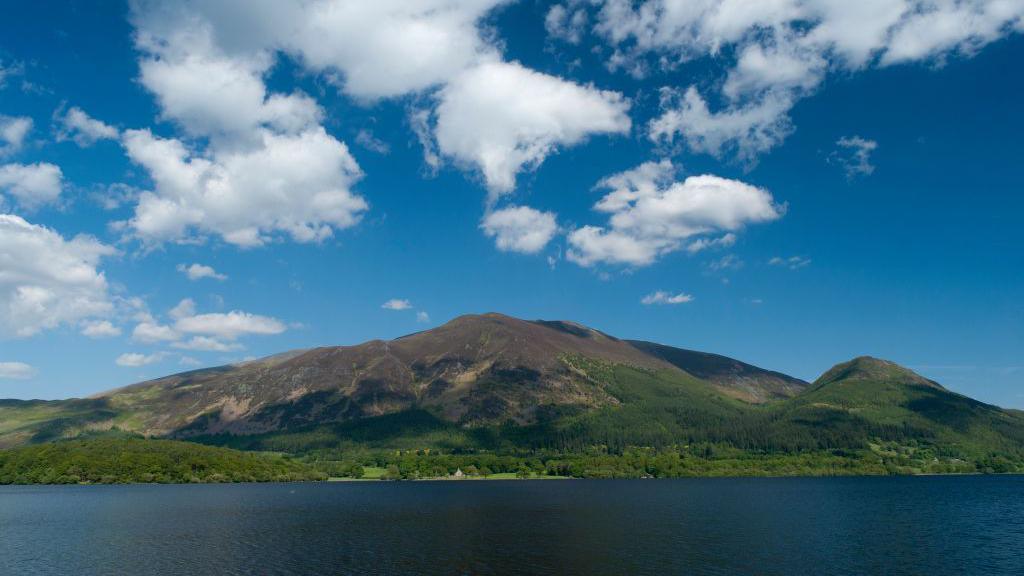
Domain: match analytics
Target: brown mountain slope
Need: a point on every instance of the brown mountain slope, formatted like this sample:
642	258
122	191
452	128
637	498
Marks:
729	376
475	369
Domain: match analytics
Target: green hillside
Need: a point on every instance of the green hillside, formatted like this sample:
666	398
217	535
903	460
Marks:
122	460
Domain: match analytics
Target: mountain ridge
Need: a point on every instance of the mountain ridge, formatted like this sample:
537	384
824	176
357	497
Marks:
498	384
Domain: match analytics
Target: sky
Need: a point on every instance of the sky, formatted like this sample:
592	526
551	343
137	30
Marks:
791	183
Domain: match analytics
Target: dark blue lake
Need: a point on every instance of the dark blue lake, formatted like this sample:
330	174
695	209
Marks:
926	525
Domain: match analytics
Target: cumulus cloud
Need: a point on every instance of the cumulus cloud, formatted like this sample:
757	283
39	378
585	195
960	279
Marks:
652	214
294	184
13	130
198	271
151	332
269	169
216	332
206	89
396	304
135	359
853	155
100	329
230	325
662	297
422	317
84	130
520	229
780	51
502	117
410	46
47	281
16	371
32	185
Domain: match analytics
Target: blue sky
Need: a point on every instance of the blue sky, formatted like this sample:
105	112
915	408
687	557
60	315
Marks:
188	184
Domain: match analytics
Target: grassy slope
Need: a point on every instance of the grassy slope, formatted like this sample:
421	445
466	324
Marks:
121	460
34	421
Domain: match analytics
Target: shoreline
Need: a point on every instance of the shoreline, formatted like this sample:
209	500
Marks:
339	480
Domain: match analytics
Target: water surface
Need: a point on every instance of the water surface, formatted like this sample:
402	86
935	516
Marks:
923	525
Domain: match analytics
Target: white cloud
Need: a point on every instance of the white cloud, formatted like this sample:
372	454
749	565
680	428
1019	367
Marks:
396	304
651	214
269	169
422	317
936	28
215	332
793	262
391	47
100	329
419	122
296	184
32	184
207	344
520	229
746	131
567	24
47	281
183	309
229	326
198	271
135	359
206	90
700	244
16	371
113	196
367	140
189	361
662	297
778	51
84	130
151	332
13	130
853	154
373	50
501	118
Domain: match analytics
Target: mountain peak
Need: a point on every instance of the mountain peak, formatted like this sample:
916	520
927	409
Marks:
875	369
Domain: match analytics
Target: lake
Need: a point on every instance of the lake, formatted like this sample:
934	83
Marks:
908	525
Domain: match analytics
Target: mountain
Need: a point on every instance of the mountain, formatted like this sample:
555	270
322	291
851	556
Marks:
502	385
474	370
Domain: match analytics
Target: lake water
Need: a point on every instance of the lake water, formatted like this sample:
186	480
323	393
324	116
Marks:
925	525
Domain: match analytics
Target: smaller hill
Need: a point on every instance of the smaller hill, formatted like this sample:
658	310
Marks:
868	368
119	460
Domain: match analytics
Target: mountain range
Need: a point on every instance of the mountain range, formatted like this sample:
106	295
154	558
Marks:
493	382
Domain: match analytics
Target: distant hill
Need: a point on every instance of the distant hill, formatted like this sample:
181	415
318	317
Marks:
503	385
